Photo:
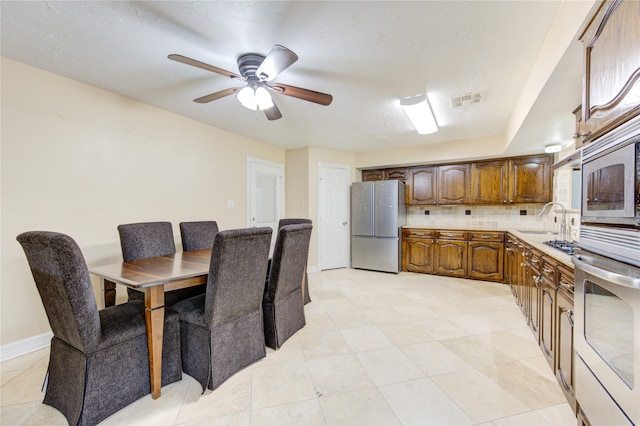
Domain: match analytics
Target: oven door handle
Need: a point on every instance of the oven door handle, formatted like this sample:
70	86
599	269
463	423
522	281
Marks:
604	274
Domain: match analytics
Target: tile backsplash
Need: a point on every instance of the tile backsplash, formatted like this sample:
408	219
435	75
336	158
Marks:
522	216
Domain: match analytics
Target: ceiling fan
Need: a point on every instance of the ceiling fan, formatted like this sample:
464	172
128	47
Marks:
258	71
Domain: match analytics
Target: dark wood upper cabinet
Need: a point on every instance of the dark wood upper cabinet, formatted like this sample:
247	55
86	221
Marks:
447	184
385	174
530	179
489	182
422	185
611	80
453	184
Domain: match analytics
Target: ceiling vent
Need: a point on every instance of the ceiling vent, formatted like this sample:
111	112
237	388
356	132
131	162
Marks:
465	100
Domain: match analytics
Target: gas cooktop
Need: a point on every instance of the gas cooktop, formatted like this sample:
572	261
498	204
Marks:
563	245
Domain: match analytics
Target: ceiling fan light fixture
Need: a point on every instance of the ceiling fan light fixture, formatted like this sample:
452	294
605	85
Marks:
254	99
418	110
247	98
263	98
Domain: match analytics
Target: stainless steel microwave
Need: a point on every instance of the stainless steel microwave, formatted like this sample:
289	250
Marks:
610	208
611	178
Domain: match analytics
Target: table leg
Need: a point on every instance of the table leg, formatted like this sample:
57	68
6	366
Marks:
154	316
108	289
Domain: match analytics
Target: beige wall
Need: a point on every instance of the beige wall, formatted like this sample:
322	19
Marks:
81	160
459	150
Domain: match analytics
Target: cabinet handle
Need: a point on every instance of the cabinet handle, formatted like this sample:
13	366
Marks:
511	201
485	237
435	202
585	134
504	201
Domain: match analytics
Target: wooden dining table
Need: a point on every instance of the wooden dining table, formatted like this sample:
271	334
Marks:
154	276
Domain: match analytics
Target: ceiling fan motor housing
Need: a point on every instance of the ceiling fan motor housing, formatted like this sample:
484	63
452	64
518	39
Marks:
248	64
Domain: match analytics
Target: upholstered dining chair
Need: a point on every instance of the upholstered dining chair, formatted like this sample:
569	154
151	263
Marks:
222	331
98	362
198	235
282	303
150	239
305	283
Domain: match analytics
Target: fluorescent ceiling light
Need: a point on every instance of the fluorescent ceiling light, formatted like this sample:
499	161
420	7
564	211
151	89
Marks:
418	111
552	148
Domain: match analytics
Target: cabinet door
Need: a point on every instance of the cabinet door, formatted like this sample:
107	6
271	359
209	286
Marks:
509	265
564	346
451	258
547	315
422	185
530	179
418	255
395	174
534	263
611	45
453	184
372	175
489	182
486	260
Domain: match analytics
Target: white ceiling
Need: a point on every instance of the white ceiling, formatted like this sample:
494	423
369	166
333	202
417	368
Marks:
367	55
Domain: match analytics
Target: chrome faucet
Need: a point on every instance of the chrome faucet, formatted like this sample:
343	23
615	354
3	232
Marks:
563	220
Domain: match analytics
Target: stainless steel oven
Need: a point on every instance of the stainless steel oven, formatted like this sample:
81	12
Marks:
607	339
610	213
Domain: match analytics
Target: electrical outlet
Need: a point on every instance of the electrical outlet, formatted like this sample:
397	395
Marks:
426	212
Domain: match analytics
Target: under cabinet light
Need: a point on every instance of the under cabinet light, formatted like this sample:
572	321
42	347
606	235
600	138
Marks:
418	110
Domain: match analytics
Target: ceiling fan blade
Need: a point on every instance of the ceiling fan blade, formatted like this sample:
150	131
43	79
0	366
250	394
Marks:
273	113
198	64
217	95
306	94
279	59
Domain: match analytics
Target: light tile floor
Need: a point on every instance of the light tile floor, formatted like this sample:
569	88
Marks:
378	349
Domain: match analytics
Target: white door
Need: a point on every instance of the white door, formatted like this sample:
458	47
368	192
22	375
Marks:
265	200
333	216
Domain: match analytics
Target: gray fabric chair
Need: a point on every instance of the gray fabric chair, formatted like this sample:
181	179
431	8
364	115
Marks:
282	303
99	362
150	239
305	284
222	331
198	235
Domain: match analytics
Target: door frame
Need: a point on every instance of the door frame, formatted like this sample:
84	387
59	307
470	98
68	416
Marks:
320	202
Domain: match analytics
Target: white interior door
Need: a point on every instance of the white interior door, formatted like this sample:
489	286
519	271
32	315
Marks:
333	216
265	200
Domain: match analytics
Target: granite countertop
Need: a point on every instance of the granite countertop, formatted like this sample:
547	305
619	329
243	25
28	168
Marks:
534	240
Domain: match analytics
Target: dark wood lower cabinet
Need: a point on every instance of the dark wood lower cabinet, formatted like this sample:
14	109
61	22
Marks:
418	255
486	260
547	316
451	258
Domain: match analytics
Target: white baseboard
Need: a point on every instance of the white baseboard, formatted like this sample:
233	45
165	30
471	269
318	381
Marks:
23	347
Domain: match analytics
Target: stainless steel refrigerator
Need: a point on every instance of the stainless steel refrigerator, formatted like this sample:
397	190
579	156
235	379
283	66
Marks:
377	214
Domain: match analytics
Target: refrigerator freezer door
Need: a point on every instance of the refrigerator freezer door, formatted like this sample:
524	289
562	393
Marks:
376	254
362	208
386	208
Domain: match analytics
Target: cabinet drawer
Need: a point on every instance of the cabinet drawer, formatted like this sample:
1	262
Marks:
417	233
497	237
452	235
565	278
549	269
534	259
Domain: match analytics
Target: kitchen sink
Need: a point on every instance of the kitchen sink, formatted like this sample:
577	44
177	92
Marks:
537	232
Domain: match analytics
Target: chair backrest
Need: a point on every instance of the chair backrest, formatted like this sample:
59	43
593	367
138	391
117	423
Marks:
62	278
292	221
198	235
289	260
147	239
238	266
